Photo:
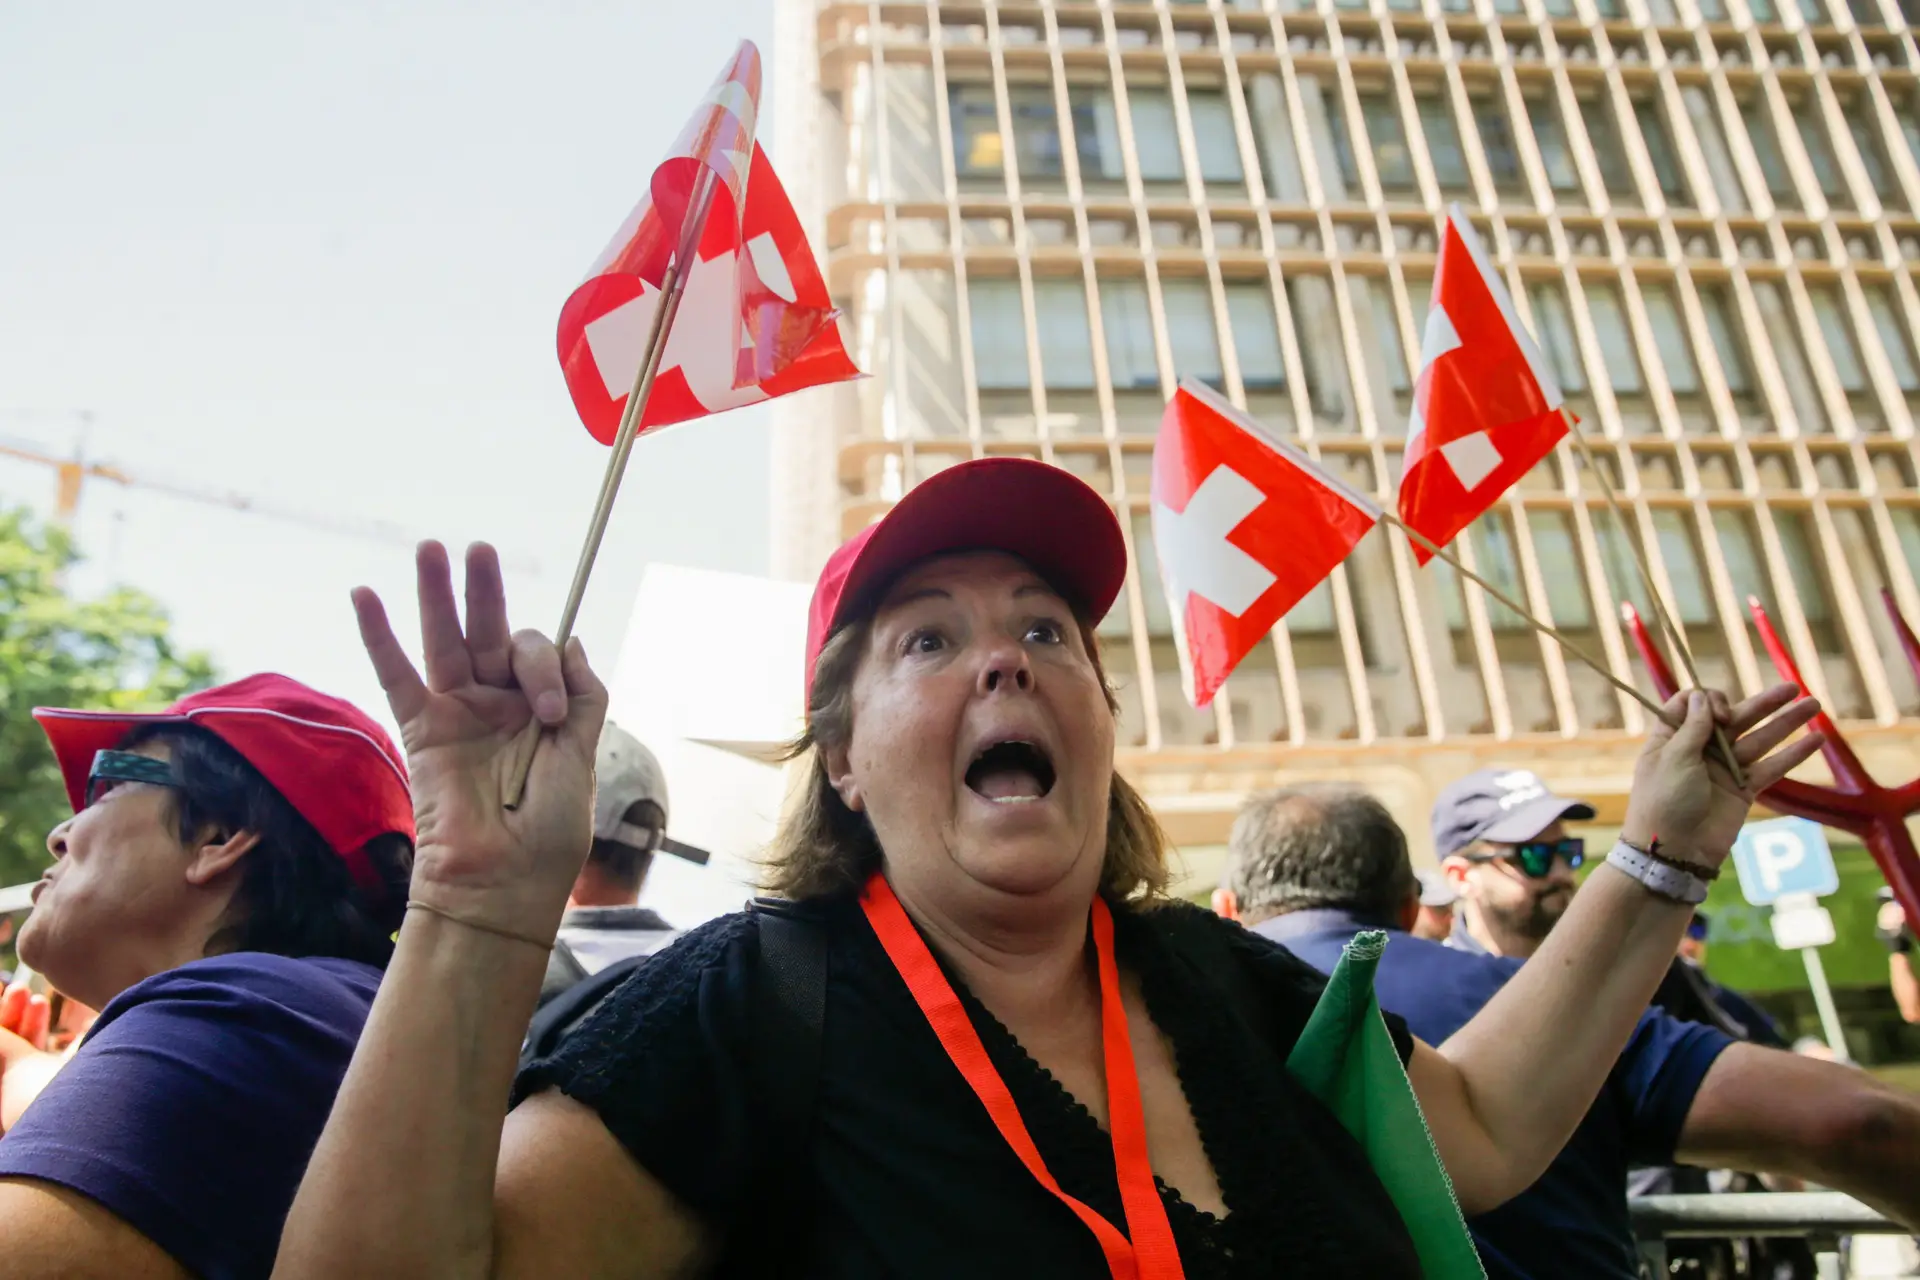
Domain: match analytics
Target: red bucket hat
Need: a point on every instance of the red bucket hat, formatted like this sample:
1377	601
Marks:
331	762
1047	517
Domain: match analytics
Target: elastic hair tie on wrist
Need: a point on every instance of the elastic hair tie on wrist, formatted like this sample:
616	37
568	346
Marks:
545	944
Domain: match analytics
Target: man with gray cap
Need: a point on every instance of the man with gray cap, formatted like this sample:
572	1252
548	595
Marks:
1502	841
604	923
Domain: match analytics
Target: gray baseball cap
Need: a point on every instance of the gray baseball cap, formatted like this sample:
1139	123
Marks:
624	774
1435	889
1503	805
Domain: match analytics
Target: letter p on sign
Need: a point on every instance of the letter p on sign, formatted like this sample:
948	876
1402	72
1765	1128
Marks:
1783	856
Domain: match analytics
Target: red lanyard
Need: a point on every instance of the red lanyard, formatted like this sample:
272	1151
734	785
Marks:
1151	1255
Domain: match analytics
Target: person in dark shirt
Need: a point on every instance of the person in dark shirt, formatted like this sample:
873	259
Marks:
226	895
1310	867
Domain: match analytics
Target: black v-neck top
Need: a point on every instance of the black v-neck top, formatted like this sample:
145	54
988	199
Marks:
904	1174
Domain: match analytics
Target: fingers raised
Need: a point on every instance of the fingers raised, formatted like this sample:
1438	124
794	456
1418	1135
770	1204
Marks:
1752	711
1765	773
406	695
489	643
588	695
536	669
448	666
1691	737
1757	742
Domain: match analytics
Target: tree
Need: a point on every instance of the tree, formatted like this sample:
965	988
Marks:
109	652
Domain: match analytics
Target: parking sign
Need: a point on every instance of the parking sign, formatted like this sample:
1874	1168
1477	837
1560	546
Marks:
1783	856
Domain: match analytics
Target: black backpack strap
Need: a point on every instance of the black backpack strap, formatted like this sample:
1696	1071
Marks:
560	1013
789	1021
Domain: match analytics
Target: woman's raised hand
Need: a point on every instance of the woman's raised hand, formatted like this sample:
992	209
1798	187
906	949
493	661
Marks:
1683	796
483	687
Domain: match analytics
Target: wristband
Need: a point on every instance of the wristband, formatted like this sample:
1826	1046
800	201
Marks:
1698	870
1661	877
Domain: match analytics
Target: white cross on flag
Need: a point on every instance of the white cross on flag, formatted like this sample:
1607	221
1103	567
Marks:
756	320
1245	526
1486	407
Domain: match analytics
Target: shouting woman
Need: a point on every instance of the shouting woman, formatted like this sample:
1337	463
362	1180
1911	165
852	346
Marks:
1030	1062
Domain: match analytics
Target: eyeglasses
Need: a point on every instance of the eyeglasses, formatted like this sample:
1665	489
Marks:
1697	929
126	766
1535	857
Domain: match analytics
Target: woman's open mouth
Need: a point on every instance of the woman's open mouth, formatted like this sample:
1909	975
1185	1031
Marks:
1011	772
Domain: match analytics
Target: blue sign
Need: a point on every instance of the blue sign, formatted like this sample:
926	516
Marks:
1783	856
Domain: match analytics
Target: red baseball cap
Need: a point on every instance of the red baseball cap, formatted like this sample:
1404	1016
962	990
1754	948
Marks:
331	762
1047	517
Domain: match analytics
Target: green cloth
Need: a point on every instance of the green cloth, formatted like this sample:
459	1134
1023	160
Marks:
1346	1058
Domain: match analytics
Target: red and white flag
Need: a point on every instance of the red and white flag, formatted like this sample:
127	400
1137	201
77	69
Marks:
1486	407
1245	525
755	321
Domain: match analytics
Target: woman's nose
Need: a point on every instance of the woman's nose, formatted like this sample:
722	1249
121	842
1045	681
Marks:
1006	668
57	839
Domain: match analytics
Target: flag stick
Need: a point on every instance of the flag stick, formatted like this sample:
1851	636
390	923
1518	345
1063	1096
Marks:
1667	624
1544	628
673	284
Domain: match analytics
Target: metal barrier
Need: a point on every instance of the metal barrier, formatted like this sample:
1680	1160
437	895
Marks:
1820	1217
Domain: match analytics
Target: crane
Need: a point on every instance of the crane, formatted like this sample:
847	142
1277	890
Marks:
71	473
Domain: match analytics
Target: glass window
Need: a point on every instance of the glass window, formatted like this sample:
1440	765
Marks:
1196	347
1496	138
1553	326
999	335
1066	338
1388	138
1316	323
977	149
1155	138
1214	138
1809	577
1724	326
1836	329
1442	135
1653	130
1273	138
1380	349
1740	548
1681	553
1713	10
1703	114
1790	354
1550	131
1096	129
1811	121
1670	338
1763	11
1906	109
1256	335
1862	124
1894	337
1560	569
1616	339
1128	322
1758	118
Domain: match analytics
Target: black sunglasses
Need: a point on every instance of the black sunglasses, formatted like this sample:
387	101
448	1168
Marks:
126	766
1535	857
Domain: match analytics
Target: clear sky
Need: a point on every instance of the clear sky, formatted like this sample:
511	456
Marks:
313	253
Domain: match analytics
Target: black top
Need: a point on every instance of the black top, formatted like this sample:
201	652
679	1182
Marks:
905	1174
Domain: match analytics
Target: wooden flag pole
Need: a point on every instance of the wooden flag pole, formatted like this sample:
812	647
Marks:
1667	624
1723	749
673	285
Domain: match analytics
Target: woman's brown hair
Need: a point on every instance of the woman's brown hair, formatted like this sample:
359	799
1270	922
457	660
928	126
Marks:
822	847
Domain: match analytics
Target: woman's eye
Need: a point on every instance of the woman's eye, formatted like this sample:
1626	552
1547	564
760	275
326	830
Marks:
926	642
1045	632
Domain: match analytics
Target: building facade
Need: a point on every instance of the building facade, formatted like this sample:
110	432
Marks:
1040	216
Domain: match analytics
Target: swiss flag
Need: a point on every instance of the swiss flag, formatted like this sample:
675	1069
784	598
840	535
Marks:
1486	407
1245	526
755	321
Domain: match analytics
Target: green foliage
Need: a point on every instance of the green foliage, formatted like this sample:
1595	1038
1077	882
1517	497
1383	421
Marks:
110	652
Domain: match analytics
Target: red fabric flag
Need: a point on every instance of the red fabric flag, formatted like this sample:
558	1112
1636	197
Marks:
756	320
1486	407
1245	526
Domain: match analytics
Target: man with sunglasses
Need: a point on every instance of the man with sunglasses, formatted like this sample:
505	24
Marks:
226	894
1502	840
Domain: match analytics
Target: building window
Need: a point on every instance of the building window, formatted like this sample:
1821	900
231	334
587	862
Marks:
1783	335
1704	116
978	149
1256	335
1066	338
1128	322
1096	130
1156	140
1615	338
1651	118
1215	141
1553	326
1496	138
1836	330
1550	132
1273	138
1316	322
1894	337
1190	331
1857	109
1388	138
1729	344
1758	118
1442	134
1811	121
999	335
1906	109
1603	135
1670	339
1384	358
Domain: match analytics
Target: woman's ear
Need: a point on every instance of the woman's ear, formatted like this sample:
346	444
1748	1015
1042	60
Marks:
839	767
217	854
